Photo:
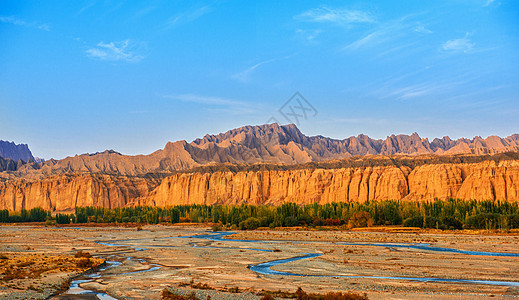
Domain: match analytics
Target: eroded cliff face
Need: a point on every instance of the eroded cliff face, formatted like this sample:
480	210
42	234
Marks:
65	192
487	180
277	187
481	181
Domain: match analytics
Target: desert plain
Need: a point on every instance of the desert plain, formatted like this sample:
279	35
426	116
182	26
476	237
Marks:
139	263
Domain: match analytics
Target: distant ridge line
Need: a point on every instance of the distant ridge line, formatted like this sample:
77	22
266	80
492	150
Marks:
268	143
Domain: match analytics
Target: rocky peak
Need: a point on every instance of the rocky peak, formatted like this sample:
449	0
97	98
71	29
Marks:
15	152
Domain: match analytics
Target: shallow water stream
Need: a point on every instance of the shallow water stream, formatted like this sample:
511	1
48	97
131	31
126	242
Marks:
265	268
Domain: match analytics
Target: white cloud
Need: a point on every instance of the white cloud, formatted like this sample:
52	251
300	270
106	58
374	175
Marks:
372	38
422	29
19	22
459	45
398	30
386	32
309	36
187	16
126	50
244	76
422	89
337	16
86	7
393	35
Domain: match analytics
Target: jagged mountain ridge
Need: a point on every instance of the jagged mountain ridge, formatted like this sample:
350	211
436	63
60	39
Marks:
15	152
270	143
289	140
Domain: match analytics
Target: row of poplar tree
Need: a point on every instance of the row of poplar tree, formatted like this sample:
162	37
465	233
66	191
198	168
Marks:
442	214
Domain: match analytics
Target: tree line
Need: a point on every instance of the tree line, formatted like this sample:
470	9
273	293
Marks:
440	214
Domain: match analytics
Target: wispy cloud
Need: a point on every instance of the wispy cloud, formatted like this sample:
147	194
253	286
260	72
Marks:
20	22
145	11
422	29
244	76
459	45
385	32
423	89
215	103
398	30
85	8
188	16
338	16
126	50
309	35
488	3
376	37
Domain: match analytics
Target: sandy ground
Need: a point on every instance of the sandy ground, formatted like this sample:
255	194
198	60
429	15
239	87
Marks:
160	257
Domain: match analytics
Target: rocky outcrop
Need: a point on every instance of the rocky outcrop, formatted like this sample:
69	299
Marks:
7	164
269	143
15	152
65	192
277	187
487	180
482	181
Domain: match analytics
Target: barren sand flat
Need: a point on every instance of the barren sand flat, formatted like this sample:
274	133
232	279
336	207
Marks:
140	264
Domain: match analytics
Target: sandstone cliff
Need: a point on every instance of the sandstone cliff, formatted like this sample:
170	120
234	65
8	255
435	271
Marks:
487	180
482	181
65	192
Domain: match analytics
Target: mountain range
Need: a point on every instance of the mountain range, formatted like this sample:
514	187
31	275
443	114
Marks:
270	143
268	164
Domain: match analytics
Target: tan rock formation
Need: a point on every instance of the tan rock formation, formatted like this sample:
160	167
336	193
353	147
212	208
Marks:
481	181
486	180
65	192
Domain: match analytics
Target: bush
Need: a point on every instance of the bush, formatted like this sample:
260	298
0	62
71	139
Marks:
452	223
302	295
84	262
249	224
290	221
63	219
217	227
431	222
166	294
317	222
414	222
360	219
332	222
174	215
483	221
4	215
80	254
513	221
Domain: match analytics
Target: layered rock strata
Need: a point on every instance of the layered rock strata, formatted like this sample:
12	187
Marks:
488	180
65	192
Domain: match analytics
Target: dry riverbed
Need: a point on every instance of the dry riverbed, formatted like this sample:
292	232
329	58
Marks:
142	263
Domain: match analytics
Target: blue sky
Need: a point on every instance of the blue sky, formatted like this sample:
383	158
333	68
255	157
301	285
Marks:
85	76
